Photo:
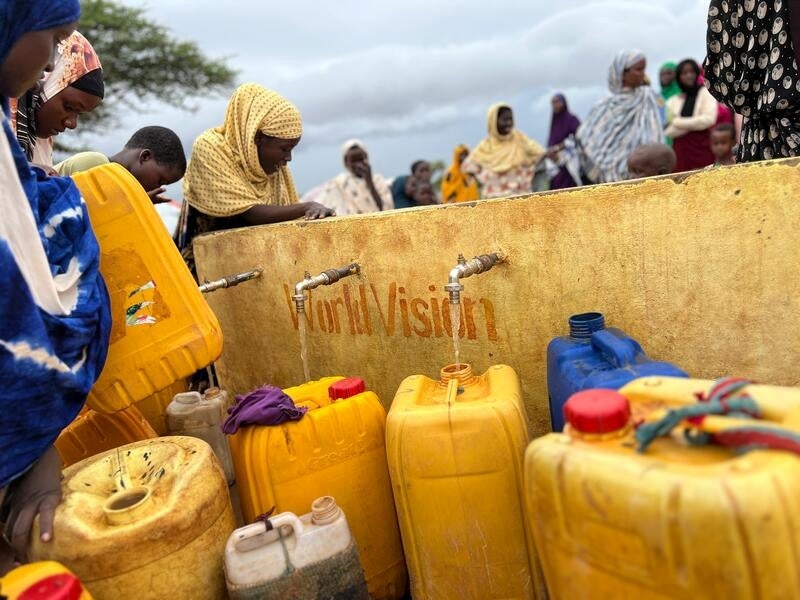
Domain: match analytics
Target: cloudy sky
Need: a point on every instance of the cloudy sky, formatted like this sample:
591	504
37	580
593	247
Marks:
413	78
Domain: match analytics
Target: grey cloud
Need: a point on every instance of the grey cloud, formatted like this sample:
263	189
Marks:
401	84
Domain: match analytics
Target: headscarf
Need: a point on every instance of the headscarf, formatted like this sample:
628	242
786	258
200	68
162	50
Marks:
18	17
54	309
458	186
691	92
503	153
673	89
224	177
77	65
623	61
75	59
751	67
619	124
563	124
349	145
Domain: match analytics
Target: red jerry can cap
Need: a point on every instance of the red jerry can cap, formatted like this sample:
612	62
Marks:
347	388
64	586
597	411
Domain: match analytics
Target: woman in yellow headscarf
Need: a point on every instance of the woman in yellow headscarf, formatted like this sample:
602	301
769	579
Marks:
458	186
238	173
505	161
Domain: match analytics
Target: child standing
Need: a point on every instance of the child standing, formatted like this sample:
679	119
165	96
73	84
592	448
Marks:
723	141
651	160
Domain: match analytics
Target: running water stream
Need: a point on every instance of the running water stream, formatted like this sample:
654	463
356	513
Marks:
455	323
301	321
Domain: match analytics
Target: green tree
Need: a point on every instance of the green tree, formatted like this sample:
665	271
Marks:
142	61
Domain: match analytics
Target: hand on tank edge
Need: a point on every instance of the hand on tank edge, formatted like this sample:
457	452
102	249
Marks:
315	211
38	492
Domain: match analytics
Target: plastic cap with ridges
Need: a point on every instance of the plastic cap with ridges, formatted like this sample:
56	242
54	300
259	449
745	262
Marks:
347	388
63	586
597	411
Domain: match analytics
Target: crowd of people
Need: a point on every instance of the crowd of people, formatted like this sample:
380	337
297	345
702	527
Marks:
54	307
238	174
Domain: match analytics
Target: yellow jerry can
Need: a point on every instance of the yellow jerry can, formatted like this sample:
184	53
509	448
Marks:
145	521
162	329
92	433
336	449
455	449
614	517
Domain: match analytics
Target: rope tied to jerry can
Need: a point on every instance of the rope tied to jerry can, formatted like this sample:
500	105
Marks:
727	397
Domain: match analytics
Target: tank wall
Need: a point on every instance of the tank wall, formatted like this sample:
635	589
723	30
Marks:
701	270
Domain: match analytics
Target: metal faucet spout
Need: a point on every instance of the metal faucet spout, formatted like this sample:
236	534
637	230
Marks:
230	281
467	268
328	277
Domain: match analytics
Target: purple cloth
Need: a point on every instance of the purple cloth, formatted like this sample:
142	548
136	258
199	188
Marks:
266	405
563	124
563	180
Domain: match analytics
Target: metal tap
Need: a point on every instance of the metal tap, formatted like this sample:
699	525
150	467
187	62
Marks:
466	268
230	281
325	278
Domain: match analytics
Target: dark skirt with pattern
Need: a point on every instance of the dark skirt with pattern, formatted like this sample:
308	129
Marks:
693	151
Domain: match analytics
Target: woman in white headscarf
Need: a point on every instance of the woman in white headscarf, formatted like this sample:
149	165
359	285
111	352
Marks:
621	123
356	191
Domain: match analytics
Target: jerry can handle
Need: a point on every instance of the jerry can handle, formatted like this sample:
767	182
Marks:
252	536
288	519
619	353
311	404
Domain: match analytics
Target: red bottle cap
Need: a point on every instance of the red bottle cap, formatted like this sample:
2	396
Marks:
347	388
64	586
597	411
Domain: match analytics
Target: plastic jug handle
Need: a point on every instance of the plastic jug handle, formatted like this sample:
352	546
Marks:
619	353
247	536
290	519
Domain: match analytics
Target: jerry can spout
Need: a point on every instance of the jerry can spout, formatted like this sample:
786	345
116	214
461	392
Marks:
584	325
461	373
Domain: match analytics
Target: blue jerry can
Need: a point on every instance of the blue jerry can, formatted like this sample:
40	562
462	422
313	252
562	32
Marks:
593	357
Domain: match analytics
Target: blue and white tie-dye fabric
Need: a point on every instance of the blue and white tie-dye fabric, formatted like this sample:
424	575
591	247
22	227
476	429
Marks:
619	124
55	317
18	17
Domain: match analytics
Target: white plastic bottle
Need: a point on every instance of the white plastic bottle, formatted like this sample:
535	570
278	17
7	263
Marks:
197	416
290	557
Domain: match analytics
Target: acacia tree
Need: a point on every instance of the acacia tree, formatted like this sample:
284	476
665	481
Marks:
142	61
